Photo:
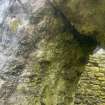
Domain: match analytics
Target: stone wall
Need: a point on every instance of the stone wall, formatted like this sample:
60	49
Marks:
91	88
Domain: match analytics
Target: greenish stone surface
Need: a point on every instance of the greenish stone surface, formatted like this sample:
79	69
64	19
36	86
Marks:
60	36
64	37
91	87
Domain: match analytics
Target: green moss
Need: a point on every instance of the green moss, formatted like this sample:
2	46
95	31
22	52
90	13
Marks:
14	25
58	64
56	70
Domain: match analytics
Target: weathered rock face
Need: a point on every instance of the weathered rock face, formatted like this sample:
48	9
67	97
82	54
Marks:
55	50
53	74
91	88
87	16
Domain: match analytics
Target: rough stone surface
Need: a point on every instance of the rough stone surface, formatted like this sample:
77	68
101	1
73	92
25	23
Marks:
58	41
91	87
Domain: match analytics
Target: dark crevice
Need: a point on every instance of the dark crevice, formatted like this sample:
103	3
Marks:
83	40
